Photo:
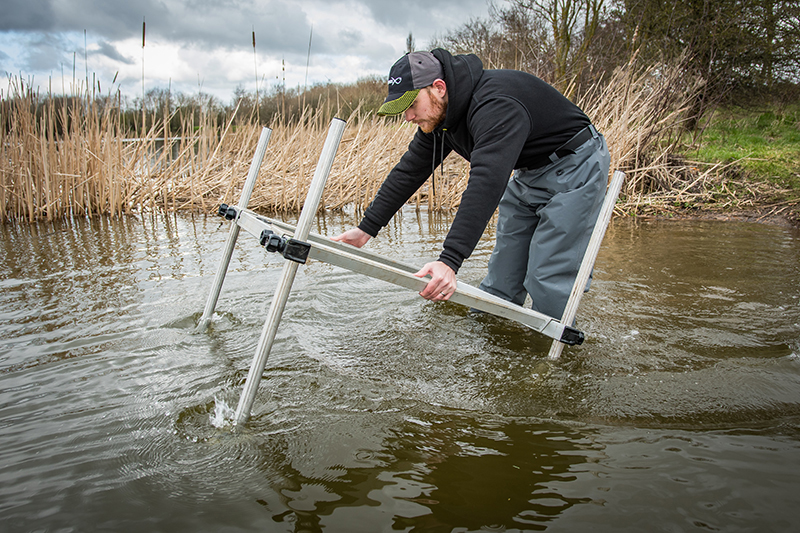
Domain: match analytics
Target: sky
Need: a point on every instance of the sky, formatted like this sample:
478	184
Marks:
205	45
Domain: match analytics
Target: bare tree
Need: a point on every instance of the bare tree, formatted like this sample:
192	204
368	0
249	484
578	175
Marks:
549	38
410	45
573	26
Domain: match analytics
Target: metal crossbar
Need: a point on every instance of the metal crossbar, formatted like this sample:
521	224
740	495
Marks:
378	267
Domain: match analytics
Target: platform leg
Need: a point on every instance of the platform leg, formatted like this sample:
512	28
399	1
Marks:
233	234
289	270
585	270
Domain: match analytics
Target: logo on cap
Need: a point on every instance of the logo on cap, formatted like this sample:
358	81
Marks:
397	80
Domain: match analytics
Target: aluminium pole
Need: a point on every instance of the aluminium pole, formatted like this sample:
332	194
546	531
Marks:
302	230
589	257
233	234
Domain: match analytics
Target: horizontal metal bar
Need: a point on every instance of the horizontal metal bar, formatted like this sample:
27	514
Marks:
398	273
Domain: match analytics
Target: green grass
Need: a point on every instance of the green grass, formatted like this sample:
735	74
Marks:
764	143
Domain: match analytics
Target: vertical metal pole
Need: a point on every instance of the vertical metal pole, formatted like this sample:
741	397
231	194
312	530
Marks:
233	234
603	218
289	270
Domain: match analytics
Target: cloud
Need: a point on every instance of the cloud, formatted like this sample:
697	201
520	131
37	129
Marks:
430	17
110	19
27	15
208	43
110	51
47	52
229	24
4	60
209	23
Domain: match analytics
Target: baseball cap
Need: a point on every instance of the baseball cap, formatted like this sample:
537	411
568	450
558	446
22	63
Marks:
409	74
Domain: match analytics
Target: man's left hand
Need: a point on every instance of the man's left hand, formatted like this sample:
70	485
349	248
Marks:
442	284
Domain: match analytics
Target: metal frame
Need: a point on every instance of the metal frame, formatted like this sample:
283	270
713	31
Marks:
233	234
313	198
306	245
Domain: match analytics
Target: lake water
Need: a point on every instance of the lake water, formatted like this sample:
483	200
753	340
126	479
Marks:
380	411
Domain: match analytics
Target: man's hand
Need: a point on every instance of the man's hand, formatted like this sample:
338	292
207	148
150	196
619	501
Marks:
442	284
355	236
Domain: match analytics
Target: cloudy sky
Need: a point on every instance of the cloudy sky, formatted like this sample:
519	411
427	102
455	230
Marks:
206	45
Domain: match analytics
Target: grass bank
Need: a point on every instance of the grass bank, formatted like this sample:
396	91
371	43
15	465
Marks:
763	142
747	162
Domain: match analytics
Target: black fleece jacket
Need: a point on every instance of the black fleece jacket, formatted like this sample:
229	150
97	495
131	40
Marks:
498	120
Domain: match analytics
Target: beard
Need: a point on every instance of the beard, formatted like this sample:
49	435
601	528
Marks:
438	112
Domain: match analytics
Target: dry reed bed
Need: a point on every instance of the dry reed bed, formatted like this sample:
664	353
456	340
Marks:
90	169
369	149
74	160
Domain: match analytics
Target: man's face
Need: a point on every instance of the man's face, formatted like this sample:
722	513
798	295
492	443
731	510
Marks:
428	110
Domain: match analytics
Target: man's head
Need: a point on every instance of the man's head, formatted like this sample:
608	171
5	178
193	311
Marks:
417	89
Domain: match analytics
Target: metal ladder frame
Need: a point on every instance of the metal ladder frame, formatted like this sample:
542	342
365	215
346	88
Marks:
297	244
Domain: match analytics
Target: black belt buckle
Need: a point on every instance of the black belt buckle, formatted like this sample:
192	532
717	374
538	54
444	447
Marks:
576	142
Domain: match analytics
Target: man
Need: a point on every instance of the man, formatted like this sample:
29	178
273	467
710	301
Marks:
500	121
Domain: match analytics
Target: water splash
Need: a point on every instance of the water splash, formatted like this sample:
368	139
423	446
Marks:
223	415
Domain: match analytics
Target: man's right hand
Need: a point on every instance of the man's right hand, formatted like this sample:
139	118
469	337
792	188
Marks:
355	236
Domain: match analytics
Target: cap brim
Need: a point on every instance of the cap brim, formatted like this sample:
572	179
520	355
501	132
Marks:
399	104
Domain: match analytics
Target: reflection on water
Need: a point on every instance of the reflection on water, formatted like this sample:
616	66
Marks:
380	411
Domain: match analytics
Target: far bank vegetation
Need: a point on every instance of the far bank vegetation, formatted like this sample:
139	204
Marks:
649	85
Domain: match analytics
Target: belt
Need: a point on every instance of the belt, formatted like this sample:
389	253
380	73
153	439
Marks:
568	148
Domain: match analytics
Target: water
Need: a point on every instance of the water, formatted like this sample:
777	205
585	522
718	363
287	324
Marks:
380	411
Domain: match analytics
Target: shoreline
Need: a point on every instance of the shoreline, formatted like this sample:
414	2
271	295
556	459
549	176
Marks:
754	216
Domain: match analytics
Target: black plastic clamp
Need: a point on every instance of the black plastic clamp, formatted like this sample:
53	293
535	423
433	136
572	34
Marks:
290	249
264	237
229	212
571	336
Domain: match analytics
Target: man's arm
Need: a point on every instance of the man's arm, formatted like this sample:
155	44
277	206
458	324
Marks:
413	169
499	128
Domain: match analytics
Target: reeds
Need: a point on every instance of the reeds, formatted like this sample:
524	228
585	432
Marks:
71	157
369	149
642	111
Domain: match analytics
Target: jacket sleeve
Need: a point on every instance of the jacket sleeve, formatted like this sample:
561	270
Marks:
499	128
404	179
